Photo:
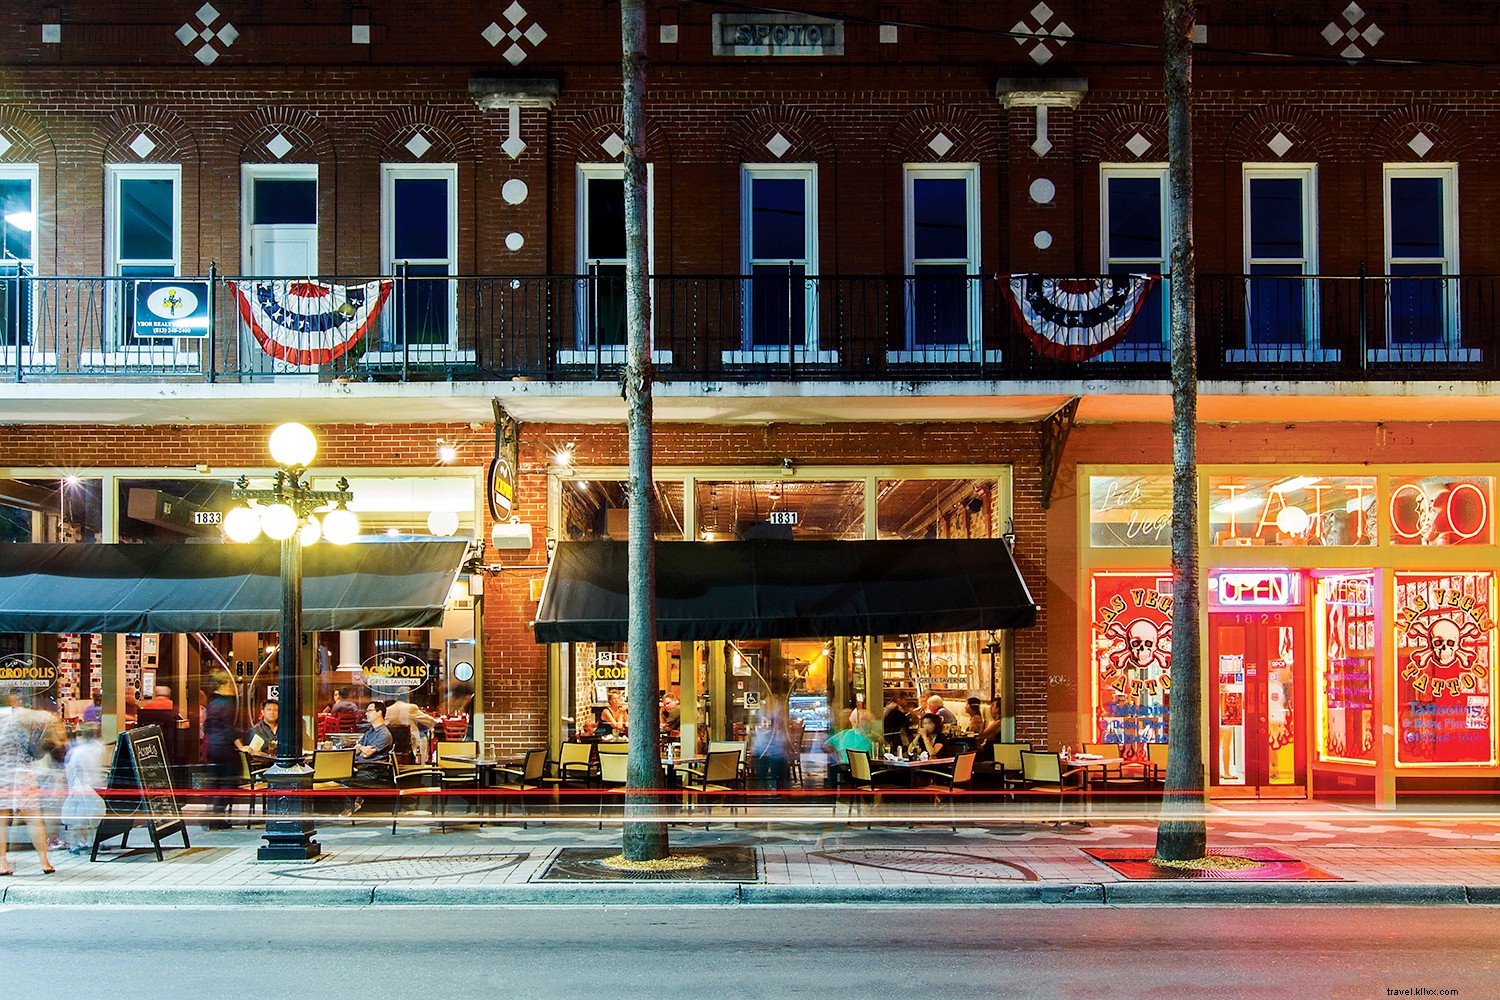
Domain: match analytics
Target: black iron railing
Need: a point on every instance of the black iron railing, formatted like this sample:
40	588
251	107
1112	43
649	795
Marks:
767	326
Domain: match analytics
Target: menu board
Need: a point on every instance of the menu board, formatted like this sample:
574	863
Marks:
1346	679
140	792
1445	639
1131	651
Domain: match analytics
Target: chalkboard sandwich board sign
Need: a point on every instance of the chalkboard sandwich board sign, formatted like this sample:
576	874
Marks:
140	793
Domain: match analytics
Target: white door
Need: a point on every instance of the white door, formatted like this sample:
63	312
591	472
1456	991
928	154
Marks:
281	241
283	251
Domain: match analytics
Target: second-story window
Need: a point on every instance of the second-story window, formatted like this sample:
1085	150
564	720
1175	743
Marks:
1280	240
779	233
143	233
419	241
601	254
1133	238
942	259
1421	245
281	220
17	250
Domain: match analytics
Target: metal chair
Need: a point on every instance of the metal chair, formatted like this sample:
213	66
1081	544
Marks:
612	771
457	774
1043	773
949	785
720	775
529	777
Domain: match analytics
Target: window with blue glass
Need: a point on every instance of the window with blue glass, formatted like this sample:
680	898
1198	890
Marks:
421	245
1134	241
1279	243
779	239
1421	249
942	257
145	224
17	251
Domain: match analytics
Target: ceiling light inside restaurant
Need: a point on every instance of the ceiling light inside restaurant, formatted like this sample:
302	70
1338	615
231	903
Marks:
279	521
1295	484
294	446
442	523
242	524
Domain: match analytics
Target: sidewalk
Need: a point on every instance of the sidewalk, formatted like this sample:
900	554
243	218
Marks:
1379	859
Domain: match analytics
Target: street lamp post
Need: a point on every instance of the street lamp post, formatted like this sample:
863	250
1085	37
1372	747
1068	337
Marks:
285	512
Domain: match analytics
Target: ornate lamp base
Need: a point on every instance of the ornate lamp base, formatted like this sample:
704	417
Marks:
289	832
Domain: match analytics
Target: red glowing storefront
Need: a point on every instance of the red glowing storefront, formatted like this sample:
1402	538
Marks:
1349	636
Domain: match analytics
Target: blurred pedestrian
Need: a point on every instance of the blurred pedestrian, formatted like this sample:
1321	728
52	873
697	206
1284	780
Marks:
83	808
219	737
24	735
771	745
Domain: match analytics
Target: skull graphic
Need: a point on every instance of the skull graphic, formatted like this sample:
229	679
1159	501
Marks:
1141	639
1443	641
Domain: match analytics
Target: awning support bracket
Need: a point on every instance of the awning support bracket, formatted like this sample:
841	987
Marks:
1053	434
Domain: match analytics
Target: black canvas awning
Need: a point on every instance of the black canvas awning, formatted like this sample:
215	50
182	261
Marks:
782	590
113	589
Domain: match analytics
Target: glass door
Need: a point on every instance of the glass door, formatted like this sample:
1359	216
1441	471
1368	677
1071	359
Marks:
1257	659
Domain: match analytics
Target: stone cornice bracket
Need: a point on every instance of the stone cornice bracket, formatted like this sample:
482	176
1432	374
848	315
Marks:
492	93
1038	92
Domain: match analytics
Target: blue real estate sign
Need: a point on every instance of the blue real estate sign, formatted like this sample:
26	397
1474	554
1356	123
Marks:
171	308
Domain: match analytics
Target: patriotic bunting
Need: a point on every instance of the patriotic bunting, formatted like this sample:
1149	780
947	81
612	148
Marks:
308	322
1074	319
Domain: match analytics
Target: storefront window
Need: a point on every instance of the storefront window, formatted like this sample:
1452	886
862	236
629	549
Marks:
173	510
1347	635
1444	667
780	508
1131	653
66	509
1292	510
1129	511
935	508
1441	510
598	509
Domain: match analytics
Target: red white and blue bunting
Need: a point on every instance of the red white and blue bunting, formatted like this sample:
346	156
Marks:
1074	319
309	322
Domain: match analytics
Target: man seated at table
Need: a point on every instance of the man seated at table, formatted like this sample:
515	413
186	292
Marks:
372	755
671	714
341	704
261	739
161	701
841	743
936	707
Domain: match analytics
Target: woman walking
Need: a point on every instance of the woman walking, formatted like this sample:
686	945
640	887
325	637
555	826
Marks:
23	738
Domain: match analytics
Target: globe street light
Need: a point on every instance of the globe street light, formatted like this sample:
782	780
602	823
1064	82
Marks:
284	512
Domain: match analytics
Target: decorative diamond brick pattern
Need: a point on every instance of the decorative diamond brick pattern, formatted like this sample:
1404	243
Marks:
533	35
279	146
940	144
1138	144
190	34
418	145
1279	143
1039	34
142	145
778	145
614	144
1356	41
1421	144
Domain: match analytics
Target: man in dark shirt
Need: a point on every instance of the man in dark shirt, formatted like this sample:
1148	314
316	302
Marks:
219	744
896	725
265	729
372	754
342	705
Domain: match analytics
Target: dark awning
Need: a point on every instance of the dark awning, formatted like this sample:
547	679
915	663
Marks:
113	589
781	589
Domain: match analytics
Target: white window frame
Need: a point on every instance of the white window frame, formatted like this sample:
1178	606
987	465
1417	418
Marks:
1156	265
249	172
30	356
1450	350
118	352
807	351
389	174
583	353
1312	349
969	173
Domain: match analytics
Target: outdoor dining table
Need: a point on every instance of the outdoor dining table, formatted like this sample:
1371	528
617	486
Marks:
1087	763
911	765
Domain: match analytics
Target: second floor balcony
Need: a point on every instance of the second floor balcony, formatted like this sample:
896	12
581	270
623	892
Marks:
775	325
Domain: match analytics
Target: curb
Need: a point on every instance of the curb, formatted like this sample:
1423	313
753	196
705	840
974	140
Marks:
755	894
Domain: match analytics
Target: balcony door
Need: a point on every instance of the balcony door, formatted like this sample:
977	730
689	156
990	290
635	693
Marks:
281	220
419	240
942	262
1421	247
17	252
1133	238
778	239
601	263
1280	243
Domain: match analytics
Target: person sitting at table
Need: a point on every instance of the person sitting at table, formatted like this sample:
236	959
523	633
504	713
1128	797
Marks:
935	707
897	723
929	739
161	700
94	713
614	717
840	743
265	729
341	704
671	714
372	755
991	731
974	723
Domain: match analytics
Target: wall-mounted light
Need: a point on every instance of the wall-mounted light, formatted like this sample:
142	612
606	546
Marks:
446	453
562	457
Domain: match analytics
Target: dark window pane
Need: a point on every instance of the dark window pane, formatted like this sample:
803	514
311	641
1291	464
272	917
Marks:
939	300
1278	306
424	304
606	219
1418	307
1135	217
1417	217
940	218
16	294
285	202
1276	217
778	305
778	218
421	219
605	305
145	218
16	203
1149	327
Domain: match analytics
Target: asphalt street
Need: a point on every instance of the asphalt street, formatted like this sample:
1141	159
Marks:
842	952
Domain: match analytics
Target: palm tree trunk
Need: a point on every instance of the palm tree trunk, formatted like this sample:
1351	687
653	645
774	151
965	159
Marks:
1182	833
644	840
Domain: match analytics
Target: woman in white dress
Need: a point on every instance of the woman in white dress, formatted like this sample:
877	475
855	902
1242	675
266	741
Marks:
23	735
